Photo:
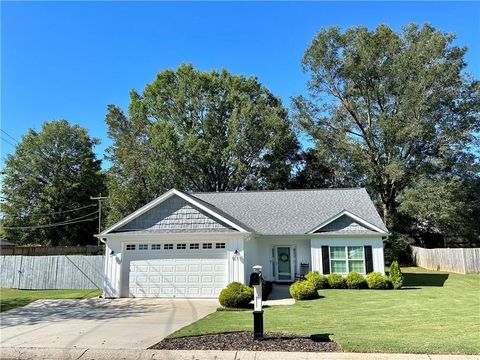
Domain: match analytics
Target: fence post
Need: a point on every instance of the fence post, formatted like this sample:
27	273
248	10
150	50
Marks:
20	271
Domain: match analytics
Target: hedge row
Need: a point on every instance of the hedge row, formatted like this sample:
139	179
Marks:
302	290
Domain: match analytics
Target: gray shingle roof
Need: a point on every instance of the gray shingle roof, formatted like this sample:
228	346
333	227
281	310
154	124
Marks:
287	212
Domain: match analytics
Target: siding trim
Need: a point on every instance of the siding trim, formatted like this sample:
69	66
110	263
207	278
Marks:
352	216
161	199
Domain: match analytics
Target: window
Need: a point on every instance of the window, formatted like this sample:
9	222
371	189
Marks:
220	246
207	245
130	247
143	247
194	246
344	259
181	246
156	247
168	246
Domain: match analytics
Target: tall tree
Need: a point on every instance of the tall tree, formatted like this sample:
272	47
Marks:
200	131
398	104
49	180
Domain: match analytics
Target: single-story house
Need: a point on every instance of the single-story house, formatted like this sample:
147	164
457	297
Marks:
194	244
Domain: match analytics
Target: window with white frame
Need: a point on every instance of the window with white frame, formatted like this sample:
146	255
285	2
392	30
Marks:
344	259
143	247
194	246
130	247
168	246
181	246
156	247
207	245
220	246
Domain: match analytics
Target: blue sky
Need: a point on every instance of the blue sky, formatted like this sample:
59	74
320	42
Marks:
71	59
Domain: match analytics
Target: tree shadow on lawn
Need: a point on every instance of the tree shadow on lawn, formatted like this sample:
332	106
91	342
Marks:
421	279
80	309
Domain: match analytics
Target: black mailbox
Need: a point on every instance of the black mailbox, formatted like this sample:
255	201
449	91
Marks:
254	279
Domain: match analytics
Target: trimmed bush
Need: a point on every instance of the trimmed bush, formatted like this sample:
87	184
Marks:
355	280
377	281
336	281
236	295
303	290
395	275
317	279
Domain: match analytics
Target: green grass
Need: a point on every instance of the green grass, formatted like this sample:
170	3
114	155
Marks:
12	298
434	313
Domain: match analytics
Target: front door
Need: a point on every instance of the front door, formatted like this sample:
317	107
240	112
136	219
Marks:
284	263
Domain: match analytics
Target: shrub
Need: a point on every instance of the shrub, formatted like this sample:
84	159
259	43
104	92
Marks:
236	295
377	281
395	275
317	279
303	290
355	280
336	281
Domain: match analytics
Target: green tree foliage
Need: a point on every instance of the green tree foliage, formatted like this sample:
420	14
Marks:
51	172
443	212
393	105
395	275
198	131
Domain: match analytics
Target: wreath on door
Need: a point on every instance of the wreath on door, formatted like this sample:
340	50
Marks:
284	257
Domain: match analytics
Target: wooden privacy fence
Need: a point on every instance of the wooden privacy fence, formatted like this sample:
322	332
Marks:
459	260
51	250
52	272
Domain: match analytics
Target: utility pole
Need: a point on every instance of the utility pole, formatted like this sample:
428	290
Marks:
99	198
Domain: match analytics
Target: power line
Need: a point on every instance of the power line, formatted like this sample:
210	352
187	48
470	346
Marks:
8	142
65	222
10	136
48	225
57	212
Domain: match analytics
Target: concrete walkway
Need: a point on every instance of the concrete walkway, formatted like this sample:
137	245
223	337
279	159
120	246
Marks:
98	323
92	354
280	295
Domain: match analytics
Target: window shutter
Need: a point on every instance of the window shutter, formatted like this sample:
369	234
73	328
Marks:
368	259
325	260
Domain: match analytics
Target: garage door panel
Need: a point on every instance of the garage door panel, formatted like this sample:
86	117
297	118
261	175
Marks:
219	268
179	279
192	279
188	276
219	279
207	267
180	268
194	268
168	279
167	268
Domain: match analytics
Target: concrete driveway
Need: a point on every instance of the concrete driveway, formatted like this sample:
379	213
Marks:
98	323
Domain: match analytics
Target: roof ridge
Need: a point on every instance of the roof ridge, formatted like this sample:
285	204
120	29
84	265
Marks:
278	190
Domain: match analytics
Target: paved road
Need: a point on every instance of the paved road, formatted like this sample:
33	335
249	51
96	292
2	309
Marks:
98	323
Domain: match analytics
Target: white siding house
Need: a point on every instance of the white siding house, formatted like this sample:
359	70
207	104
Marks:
192	245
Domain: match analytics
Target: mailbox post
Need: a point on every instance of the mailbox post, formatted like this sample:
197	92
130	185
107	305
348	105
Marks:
256	282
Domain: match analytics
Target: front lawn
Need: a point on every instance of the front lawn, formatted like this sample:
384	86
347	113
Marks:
435	313
12	298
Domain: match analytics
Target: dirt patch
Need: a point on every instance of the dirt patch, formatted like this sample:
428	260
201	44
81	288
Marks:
244	341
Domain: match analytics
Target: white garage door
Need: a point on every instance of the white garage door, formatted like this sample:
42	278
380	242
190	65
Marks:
179	272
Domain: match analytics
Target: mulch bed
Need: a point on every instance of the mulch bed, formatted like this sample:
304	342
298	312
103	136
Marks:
244	341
